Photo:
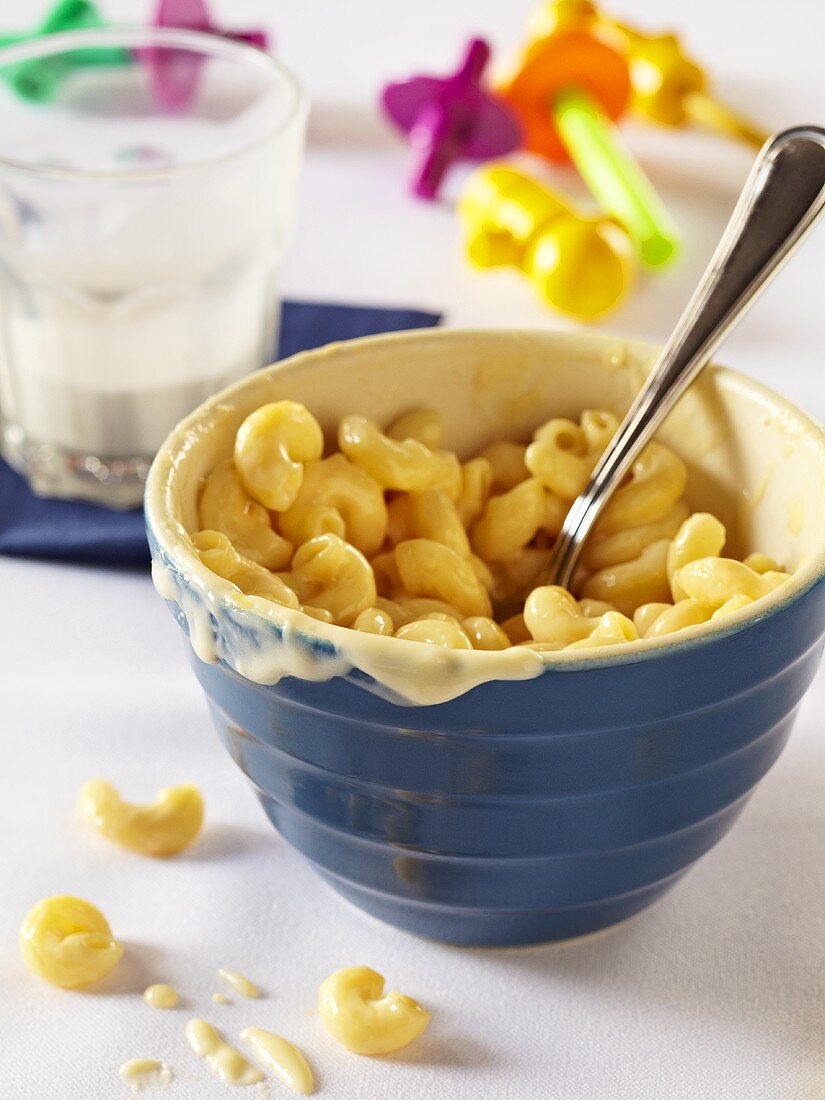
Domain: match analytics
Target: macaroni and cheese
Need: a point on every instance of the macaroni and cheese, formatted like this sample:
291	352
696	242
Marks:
395	536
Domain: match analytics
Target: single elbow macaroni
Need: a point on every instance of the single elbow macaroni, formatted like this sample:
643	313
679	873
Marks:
646	615
631	583
226	506
485	633
428	515
164	828
613	549
657	480
713	581
398	464
563	454
356	1011
682	614
338	498
434	516
510	521
68	942
428	568
329	573
271	447
374	620
551	614
218	554
611	629
700	536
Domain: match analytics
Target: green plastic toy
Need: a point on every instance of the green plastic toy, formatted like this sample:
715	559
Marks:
38	78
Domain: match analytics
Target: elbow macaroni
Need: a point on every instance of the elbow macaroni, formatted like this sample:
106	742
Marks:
563	454
226	506
398	464
611	629
657	480
700	536
164	828
337	498
393	536
631	583
329	573
356	1011
271	447
68	942
712	581
428	568
218	554
510	521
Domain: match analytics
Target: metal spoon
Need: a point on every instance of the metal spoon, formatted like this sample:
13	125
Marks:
783	197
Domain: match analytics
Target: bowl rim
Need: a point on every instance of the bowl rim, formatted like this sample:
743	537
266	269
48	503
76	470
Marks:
177	553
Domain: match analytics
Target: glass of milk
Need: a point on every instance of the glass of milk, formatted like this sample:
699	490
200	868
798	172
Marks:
139	243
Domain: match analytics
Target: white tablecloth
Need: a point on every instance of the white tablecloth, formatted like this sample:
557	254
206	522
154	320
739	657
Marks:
718	992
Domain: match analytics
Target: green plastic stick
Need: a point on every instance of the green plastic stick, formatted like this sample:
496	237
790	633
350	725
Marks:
614	177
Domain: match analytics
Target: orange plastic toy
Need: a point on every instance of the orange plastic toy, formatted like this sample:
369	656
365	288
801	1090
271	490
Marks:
566	92
668	87
569	58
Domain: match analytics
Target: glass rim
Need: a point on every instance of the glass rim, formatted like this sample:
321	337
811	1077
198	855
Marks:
141	38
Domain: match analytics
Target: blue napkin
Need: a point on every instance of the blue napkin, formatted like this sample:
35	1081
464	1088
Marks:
65	530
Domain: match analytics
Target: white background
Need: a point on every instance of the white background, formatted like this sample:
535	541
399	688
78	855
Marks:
717	992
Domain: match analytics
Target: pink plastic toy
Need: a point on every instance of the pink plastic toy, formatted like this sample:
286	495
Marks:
450	118
174	73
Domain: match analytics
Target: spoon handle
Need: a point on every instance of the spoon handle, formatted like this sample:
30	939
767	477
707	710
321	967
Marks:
782	198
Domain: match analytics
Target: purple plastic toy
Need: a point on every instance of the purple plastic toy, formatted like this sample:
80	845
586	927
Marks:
450	118
174	73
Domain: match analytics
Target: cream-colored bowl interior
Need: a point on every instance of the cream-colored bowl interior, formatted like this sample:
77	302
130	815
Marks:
754	460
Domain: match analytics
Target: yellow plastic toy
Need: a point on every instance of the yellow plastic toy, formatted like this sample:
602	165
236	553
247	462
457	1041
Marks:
580	265
667	86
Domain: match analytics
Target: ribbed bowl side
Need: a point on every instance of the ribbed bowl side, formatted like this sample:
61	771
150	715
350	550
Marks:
524	811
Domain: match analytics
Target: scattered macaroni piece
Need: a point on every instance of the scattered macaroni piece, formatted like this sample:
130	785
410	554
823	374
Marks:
168	826
228	1064
281	1058
239	983
394	536
146	1075
161	996
356	1012
68	942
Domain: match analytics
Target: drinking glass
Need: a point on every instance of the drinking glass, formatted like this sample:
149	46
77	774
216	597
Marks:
147	187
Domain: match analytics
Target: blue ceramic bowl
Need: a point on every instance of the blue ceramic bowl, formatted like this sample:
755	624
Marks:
570	796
